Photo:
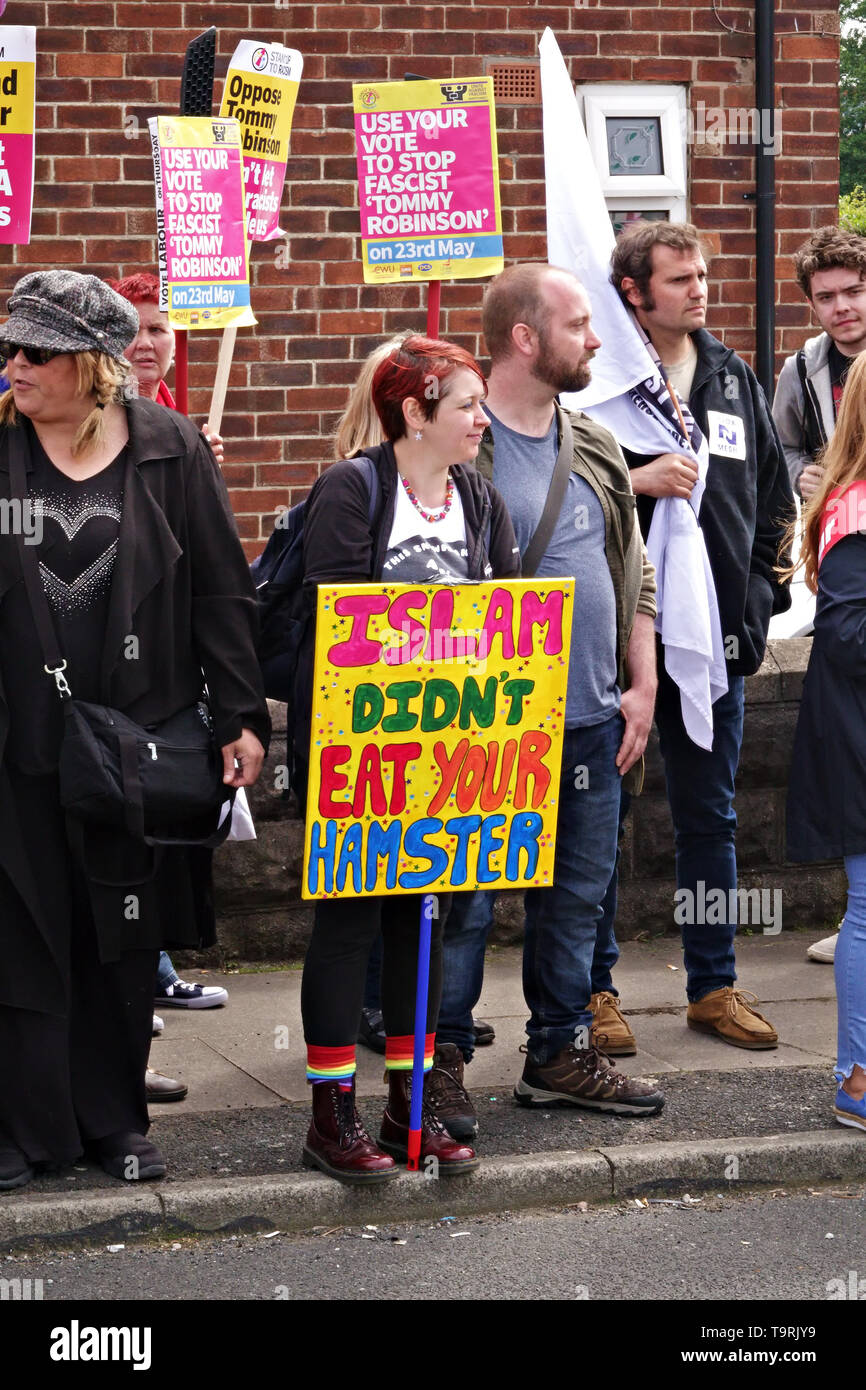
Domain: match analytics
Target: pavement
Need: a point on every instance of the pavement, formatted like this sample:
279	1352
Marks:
233	1147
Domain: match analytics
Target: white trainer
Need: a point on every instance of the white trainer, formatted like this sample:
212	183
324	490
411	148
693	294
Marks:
824	951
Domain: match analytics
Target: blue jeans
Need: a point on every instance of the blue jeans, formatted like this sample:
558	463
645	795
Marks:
850	968
562	921
700	788
165	974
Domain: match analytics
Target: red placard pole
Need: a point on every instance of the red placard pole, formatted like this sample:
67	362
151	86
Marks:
434	302
181	371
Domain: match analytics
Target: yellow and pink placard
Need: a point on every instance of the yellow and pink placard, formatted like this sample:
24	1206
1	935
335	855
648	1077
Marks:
17	121
428	183
202	250
436	740
260	94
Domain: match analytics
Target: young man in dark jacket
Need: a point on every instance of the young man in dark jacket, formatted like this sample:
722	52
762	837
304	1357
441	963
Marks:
659	271
831	272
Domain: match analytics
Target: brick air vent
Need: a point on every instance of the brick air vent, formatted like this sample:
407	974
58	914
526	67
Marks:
516	84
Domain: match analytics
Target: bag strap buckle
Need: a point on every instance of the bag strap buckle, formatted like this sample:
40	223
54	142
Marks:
60	680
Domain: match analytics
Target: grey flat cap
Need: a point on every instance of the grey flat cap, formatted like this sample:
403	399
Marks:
68	312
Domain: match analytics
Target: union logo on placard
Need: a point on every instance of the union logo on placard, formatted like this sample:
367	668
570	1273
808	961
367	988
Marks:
369	97
425	265
260	59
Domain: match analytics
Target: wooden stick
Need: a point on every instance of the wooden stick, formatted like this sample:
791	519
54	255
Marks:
224	363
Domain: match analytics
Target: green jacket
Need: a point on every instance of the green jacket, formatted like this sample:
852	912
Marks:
598	460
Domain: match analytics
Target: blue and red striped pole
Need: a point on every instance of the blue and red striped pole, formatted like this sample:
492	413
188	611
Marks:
421	994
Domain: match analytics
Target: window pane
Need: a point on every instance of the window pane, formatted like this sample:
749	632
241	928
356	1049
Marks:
634	145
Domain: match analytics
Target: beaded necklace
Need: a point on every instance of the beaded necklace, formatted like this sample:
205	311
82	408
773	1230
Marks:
430	516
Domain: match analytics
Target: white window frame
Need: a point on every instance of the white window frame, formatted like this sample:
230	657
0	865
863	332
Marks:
668	104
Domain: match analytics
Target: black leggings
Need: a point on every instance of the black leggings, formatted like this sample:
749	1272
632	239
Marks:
332	991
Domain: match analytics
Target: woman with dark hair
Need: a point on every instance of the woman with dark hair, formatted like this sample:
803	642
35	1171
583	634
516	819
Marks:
436	521
827	785
137	575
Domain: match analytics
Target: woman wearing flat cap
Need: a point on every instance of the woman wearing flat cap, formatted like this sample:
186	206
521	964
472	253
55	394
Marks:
150	599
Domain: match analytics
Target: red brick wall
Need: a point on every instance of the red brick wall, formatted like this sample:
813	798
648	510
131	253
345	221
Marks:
102	63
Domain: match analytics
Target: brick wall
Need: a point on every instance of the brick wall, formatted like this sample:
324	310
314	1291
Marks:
105	67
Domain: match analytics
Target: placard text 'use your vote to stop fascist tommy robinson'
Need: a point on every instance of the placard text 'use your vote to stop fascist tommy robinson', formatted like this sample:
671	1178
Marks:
436	737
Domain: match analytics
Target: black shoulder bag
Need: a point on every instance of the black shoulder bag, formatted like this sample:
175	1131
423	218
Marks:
162	783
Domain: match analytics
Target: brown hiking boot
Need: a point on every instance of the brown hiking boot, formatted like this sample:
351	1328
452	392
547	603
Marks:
581	1076
609	1029
448	1095
727	1014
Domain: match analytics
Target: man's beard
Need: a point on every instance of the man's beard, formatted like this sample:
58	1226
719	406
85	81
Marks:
559	374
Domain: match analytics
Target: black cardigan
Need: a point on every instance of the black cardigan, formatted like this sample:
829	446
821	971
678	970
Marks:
181	586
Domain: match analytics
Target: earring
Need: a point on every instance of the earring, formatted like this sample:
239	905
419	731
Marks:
418	434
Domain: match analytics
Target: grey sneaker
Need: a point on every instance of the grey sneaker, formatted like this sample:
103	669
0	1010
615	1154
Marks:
584	1077
447	1094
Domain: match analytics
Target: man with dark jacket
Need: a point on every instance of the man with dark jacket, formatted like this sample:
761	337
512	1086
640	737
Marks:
831	272
537	327
659	271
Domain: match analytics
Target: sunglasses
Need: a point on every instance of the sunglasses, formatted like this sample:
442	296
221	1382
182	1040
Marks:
36	356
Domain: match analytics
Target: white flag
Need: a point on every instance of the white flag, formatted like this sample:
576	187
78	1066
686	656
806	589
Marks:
628	395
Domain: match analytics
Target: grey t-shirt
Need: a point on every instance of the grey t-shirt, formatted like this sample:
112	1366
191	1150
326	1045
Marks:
522	468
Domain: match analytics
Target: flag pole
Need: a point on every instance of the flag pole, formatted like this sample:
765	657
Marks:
196	99
421	994
434	303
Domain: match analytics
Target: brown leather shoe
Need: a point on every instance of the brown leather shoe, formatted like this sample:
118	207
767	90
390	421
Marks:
337	1142
436	1143
727	1014
159	1087
609	1031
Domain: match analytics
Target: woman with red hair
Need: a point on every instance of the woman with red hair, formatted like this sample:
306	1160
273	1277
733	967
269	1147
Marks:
435	521
151	352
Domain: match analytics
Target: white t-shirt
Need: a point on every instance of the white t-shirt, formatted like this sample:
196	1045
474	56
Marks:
426	552
682	374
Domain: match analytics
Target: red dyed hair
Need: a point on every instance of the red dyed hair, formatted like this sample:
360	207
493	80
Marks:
138	289
421	368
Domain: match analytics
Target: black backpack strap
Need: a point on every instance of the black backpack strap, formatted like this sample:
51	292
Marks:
534	552
365	465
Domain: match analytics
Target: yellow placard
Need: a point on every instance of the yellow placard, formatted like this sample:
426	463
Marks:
428	180
437	722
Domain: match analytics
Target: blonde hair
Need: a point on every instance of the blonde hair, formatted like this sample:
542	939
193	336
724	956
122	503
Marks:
96	374
359	426
844	462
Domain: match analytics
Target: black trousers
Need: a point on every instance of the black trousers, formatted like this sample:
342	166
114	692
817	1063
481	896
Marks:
332	990
75	1074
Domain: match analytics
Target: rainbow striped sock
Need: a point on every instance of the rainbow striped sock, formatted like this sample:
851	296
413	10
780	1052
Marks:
399	1052
331	1064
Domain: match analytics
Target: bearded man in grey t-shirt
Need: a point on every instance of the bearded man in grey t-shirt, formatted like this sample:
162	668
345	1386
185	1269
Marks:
538	331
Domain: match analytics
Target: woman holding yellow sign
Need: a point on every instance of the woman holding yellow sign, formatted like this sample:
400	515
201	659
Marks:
436	521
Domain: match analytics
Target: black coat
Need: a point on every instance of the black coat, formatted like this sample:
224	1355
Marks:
827	785
181	587
747	504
